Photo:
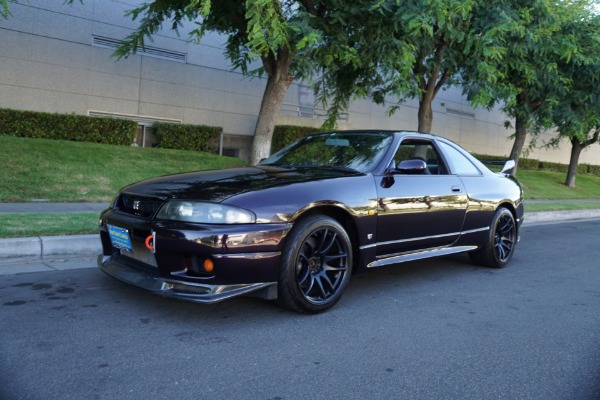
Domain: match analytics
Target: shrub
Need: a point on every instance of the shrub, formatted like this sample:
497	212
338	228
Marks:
594	169
583	169
286	134
72	127
487	157
552	166
528	163
188	137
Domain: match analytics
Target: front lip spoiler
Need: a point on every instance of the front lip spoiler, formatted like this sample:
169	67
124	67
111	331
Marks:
194	292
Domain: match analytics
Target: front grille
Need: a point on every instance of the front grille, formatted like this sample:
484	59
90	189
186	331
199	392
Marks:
136	205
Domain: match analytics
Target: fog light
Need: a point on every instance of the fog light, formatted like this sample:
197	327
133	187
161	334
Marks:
209	265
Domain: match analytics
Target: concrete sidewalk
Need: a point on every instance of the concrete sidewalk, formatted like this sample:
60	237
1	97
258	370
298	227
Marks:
47	249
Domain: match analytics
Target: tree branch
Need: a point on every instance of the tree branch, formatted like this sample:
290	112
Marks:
441	81
591	140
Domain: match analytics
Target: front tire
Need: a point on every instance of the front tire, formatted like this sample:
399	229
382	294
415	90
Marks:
500	245
316	265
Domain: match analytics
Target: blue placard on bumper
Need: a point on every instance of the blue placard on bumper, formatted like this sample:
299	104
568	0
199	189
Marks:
119	237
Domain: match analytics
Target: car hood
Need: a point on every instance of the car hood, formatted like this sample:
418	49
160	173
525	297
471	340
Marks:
218	185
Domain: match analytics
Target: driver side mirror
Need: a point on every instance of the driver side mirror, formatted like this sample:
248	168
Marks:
412	166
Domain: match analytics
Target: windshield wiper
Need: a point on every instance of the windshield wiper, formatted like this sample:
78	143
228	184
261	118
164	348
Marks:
287	166
331	168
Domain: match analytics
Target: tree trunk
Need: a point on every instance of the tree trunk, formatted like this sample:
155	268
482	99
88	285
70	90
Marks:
576	148
277	85
425	114
520	136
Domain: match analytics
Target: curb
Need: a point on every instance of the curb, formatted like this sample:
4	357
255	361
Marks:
559	216
43	247
40	248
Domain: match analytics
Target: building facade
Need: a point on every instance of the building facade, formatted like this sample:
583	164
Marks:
58	58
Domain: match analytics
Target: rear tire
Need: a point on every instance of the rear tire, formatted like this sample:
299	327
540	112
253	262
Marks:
500	245
315	265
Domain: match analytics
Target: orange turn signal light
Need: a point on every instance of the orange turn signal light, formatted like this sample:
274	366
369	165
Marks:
209	265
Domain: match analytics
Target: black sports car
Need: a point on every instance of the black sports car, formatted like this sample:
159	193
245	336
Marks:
297	225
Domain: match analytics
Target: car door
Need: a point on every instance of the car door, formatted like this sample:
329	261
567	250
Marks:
422	208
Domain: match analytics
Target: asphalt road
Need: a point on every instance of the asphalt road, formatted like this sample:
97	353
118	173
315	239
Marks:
440	329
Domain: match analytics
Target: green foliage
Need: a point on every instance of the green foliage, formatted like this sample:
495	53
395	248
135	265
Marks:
576	113
284	135
188	137
592	169
391	51
267	27
67	127
533	165
525	77
255	29
553	167
4	8
528	163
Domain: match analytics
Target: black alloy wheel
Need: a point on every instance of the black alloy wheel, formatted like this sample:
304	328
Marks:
504	238
316	265
500	245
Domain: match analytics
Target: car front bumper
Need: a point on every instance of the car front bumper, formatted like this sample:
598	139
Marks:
190	291
243	258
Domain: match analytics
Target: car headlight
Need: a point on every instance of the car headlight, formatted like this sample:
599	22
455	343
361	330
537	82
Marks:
206	213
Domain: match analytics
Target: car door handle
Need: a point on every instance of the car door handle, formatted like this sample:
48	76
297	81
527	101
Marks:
456	188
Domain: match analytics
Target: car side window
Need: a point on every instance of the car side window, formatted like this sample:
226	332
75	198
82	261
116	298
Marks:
418	149
461	164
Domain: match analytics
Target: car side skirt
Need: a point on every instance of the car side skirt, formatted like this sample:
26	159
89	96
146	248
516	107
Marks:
419	255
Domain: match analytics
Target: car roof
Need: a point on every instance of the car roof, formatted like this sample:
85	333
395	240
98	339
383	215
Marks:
374	131
397	133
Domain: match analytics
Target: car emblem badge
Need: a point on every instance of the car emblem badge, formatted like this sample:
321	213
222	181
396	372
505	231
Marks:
136	205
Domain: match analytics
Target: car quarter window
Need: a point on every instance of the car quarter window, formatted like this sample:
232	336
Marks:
461	165
419	149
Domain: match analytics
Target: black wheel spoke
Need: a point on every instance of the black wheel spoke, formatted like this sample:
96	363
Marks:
320	286
327	244
330	268
305	274
322	265
327	259
505	234
326	279
307	290
323	239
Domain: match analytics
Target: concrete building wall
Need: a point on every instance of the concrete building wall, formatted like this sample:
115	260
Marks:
49	61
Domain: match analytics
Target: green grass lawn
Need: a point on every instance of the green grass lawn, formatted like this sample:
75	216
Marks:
47	224
551	185
62	171
58	170
557	206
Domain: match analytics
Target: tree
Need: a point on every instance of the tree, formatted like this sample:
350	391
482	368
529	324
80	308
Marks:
527	78
272	31
577	114
433	39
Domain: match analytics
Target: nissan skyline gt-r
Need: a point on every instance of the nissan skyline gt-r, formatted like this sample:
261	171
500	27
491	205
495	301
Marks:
295	227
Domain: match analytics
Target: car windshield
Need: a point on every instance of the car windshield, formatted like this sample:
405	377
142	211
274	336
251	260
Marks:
357	151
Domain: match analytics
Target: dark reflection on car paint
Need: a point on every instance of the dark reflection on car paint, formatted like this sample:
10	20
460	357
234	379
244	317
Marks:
209	185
